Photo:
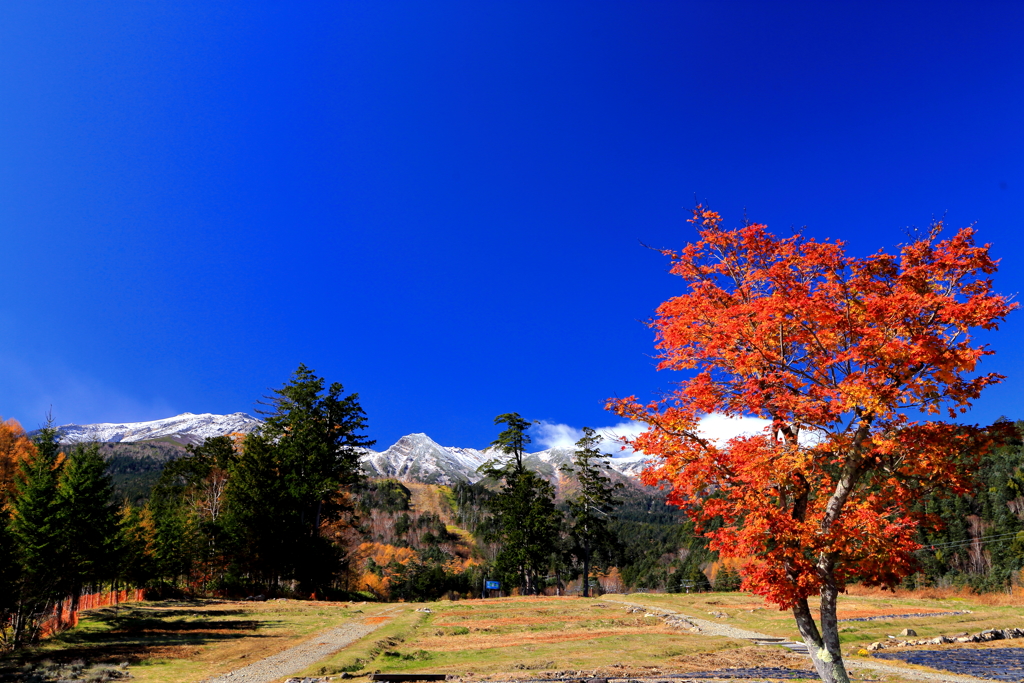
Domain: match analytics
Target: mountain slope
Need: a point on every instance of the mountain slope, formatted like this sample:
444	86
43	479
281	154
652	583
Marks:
185	428
415	458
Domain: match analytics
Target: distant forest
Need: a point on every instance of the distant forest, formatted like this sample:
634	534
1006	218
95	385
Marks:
979	542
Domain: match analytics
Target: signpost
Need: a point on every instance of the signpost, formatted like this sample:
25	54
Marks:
491	586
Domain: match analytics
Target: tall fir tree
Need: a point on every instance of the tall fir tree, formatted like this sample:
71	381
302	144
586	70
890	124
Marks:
38	538
88	520
593	503
527	523
291	480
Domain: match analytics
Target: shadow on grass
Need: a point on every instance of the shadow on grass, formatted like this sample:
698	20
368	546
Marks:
134	634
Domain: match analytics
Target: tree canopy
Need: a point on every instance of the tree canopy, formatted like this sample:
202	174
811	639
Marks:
850	359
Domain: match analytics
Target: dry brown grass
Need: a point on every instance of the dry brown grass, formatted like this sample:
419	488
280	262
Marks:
497	640
1014	599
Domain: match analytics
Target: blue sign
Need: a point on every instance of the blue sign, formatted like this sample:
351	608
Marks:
492	585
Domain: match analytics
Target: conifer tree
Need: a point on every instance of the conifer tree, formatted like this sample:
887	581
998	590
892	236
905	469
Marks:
593	503
87	519
290	481
527	523
135	541
37	538
9	573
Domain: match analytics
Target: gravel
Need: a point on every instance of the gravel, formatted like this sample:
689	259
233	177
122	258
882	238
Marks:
295	659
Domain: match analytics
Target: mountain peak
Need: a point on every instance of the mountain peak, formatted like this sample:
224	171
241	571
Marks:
414	457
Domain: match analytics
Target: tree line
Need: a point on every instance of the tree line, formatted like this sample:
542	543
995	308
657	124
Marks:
284	509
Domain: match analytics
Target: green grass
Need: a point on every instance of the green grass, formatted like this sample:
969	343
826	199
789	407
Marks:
171	641
179	641
485	637
749	612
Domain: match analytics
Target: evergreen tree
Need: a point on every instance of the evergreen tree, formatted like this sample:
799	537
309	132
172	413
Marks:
87	519
527	523
291	479
9	573
261	517
190	501
591	507
37	538
135	529
513	439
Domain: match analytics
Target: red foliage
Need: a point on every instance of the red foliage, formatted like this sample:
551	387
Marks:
849	358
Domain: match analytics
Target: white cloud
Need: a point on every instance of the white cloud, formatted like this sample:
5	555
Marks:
716	427
552	435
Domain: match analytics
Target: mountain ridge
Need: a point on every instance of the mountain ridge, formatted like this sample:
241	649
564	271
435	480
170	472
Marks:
414	457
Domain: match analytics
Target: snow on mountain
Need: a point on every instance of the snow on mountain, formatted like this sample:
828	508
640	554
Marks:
419	458
185	428
415	457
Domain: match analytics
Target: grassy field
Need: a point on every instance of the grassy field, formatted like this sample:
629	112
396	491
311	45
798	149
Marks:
180	641
527	636
750	612
174	641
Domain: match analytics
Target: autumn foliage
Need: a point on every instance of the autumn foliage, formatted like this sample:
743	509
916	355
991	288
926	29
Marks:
15	448
852	360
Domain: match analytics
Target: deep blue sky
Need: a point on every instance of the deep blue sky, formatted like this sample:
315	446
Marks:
441	205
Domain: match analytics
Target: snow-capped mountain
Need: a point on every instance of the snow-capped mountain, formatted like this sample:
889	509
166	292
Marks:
415	457
186	428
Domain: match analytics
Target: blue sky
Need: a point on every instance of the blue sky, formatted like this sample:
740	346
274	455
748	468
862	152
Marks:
441	205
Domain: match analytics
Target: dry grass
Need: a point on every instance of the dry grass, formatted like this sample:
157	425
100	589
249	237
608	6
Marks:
1013	599
508	637
173	641
534	637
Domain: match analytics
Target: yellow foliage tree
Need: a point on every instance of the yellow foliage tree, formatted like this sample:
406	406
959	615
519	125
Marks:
15	447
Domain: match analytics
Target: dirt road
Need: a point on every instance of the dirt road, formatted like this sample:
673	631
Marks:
293	660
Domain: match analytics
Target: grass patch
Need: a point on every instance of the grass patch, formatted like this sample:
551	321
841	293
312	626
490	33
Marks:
746	611
175	640
486	637
368	653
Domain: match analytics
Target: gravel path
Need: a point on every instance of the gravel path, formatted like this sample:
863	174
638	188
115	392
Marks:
295	659
713	628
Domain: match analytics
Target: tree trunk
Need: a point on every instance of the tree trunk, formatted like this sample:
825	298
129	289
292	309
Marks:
586	571
825	653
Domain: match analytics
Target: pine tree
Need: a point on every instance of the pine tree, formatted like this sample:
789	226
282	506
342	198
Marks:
87	519
290	481
527	523
513	439
37	538
260	516
9	574
593	503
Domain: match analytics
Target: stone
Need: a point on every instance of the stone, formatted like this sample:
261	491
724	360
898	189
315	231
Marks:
908	632
875	646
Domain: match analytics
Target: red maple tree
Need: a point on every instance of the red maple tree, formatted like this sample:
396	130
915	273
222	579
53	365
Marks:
849	358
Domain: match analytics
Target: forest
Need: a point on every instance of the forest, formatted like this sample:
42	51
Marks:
286	512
